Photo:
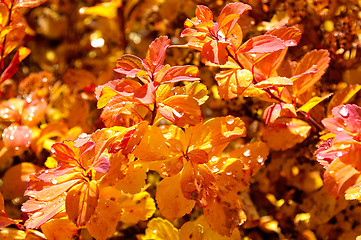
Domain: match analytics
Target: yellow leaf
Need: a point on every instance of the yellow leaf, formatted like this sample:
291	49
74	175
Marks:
312	103
16	179
160	229
134	179
61	228
107	94
138	207
169	191
191	231
285	133
225	214
274	82
107	214
232	83
81	202
342	96
107	9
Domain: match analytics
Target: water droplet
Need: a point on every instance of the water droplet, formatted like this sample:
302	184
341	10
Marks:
228	173
260	159
339	154
247	153
54	181
343	112
320	158
38	214
331	172
339	129
46	171
154	231
178	112
230	121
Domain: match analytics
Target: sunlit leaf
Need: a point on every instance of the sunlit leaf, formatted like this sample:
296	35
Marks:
278	110
107	214
274	82
169	190
318	58
232	83
182	110
342	96
312	103
215	52
156	53
285	133
13	67
160	229
262	44
61	228
81	202
16	178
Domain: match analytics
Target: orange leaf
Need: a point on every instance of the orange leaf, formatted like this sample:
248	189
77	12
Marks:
285	133
290	35
156	53
107	214
16	178
138	207
278	110
225	214
232	8
81	202
215	52
318	58
342	96
262	44
61	228
169	190
129	65
198	183
13	67
181	110
312	103
203	13
232	83
274	82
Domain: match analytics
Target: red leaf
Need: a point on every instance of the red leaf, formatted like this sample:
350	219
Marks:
156	54
290	35
128	65
215	52
318	58
13	67
262	44
204	14
232	8
177	74
146	93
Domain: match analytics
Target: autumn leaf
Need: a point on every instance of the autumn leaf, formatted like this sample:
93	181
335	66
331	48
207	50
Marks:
59	228
278	110
182	110
318	58
13	67
342	96
285	133
312	103
81	202
129	65
232	83
169	190
215	52
156	54
262	44
274	82
161	229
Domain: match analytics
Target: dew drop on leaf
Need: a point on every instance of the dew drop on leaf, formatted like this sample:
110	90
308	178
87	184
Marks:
247	153
343	112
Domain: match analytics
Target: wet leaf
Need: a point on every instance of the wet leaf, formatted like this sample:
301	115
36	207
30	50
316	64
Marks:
169	190
232	83
285	133
81	202
160	229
